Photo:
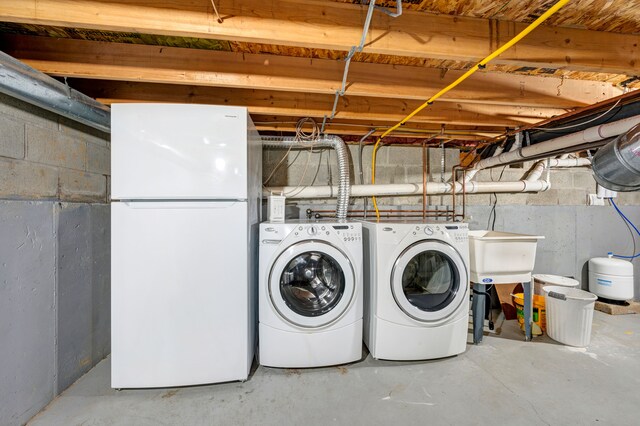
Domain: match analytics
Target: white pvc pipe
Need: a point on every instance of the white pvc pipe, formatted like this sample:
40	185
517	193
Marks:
401	189
539	167
592	134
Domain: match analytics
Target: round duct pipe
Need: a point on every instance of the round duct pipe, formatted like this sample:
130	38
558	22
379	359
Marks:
616	166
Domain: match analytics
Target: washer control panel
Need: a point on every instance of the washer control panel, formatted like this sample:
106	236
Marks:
346	232
459	233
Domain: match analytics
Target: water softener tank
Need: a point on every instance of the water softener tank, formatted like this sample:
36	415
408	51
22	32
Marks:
611	278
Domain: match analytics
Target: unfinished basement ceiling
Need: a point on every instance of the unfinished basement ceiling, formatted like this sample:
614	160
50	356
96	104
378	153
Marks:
283	59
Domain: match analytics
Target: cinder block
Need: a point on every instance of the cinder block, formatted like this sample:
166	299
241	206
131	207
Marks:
382	155
82	186
11	137
501	174
412	201
477	199
572	197
509	174
405	155
27	113
584	180
98	159
483	176
393	174
79	131
22	179
44	146
628	199
512	199
452	158
546	198
561	179
414	174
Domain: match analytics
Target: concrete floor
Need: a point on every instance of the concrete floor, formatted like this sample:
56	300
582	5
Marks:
504	380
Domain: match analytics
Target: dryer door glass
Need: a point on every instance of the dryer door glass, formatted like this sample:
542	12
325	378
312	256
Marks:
312	283
430	280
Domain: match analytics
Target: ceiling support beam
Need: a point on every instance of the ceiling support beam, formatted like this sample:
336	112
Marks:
156	64
337	26
314	105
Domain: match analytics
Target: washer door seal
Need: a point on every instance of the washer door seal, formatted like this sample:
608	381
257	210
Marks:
311	284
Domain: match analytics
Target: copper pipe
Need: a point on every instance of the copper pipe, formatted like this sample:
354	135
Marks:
453	189
424	180
414	215
386	211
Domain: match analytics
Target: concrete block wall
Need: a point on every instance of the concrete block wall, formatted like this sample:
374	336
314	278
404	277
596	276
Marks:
398	164
54	256
44	156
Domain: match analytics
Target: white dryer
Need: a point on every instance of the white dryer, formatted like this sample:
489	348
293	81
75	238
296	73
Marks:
416	279
310	294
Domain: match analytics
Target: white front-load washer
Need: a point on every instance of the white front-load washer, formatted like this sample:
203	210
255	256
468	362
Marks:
416	279
310	295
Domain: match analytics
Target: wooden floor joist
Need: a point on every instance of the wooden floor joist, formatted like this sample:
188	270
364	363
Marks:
338	26
313	105
155	64
412	130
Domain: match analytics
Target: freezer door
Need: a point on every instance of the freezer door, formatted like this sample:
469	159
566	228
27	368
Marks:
172	151
181	294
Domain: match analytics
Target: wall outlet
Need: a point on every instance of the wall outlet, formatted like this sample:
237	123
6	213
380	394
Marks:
594	200
276	208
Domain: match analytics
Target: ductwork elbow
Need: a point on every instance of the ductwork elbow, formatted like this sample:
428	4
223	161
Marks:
616	166
342	153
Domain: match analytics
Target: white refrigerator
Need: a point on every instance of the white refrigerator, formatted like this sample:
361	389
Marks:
186	188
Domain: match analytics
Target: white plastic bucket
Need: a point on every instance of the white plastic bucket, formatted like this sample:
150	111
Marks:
541	280
569	314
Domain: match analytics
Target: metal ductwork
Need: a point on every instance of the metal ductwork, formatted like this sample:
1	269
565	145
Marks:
325	141
616	166
30	85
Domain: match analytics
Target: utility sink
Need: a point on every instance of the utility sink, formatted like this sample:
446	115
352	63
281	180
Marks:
501	257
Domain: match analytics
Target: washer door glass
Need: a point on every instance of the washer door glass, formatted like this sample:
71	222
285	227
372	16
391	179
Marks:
312	283
429	280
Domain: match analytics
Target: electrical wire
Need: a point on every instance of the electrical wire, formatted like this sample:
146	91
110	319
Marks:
304	173
623	216
301	135
215	9
495	201
480	65
633	236
628	221
557	129
275	169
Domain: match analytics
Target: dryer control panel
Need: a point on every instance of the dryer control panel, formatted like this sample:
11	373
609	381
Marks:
277	233
459	233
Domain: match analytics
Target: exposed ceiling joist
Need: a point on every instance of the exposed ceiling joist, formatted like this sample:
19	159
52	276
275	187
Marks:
348	127
128	62
337	26
314	105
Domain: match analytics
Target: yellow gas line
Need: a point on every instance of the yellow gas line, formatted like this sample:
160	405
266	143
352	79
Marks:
553	9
